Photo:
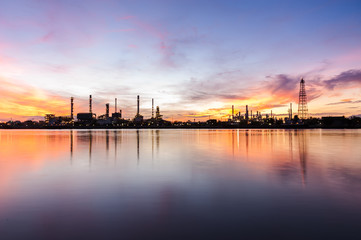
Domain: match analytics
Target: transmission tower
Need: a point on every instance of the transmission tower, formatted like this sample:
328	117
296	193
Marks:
302	101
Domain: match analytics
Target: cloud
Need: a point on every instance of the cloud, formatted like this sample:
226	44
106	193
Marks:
282	87
345	102
228	88
170	49
345	80
283	83
285	88
221	86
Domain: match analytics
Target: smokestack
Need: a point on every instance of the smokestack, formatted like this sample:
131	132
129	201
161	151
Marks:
115	107
90	104
232	112
251	115
290	111
152	107
271	114
246	112
72	108
107	110
137	105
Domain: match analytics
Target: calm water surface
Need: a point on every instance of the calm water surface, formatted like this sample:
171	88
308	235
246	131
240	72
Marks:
180	184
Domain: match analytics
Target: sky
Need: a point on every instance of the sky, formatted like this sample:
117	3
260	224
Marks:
196	58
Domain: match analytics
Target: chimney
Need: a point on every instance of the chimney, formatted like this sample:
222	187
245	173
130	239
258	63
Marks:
115	107
290	111
247	112
137	105
232	112
152	107
107	110
72	108
90	104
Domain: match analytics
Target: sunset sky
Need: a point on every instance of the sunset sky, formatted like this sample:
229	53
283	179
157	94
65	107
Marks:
194	57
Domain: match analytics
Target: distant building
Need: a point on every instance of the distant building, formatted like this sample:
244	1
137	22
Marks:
335	122
49	118
52	120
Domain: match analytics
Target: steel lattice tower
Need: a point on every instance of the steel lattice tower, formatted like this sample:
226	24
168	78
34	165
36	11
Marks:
302	101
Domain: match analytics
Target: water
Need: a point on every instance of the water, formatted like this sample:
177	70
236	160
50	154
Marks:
180	184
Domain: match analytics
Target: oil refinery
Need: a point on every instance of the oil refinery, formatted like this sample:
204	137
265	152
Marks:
249	118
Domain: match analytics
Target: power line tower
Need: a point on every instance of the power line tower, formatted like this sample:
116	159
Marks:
302	101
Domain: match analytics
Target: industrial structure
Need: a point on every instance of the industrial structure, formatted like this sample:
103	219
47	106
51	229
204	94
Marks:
116	115
86	117
138	118
72	108
302	102
152	107
290	115
235	118
116	119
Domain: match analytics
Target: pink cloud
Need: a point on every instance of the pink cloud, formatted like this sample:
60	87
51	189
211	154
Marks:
47	37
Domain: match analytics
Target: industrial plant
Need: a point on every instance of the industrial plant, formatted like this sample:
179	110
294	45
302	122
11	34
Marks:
115	119
249	119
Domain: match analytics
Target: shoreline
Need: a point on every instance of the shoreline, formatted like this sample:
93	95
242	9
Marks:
171	127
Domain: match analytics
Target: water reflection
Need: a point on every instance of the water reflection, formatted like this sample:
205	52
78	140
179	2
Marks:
138	145
107	140
115	135
90	146
71	145
302	146
160	184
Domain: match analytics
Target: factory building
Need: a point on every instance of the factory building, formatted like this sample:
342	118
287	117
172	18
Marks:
52	120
